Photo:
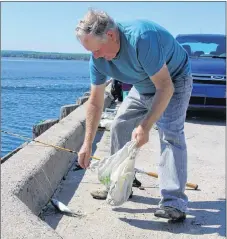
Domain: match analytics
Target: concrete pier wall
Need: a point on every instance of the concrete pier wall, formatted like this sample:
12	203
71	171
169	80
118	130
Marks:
31	175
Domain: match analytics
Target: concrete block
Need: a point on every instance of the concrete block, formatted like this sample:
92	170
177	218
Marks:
87	93
67	109
40	128
82	100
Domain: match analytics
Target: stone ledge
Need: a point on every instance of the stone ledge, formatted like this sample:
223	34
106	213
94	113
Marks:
24	185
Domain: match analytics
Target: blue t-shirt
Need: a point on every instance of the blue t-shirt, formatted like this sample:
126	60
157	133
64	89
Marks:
144	48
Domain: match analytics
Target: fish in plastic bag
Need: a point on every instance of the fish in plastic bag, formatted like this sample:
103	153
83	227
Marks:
122	177
117	173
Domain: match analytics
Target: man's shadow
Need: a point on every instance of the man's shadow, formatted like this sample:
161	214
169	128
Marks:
204	217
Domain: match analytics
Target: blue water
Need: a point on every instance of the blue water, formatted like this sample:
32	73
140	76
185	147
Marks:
33	90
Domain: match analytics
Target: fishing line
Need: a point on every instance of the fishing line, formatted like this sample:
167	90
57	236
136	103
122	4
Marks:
37	141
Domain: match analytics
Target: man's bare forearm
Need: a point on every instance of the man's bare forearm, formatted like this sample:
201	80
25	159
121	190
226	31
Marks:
159	104
93	116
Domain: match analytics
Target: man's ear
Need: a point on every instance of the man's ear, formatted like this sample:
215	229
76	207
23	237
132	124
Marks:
111	35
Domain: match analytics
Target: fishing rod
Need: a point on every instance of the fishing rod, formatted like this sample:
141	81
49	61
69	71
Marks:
190	185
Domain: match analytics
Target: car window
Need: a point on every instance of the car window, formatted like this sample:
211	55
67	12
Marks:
203	45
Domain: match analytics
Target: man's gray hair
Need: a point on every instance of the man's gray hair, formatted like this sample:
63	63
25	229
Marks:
95	22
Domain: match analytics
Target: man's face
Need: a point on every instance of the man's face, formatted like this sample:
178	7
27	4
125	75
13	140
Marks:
107	49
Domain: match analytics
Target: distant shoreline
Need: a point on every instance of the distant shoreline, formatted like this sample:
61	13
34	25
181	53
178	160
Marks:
45	55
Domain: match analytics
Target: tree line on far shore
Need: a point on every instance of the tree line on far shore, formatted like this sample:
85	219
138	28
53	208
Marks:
46	55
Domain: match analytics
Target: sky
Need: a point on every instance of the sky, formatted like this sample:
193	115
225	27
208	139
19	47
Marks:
49	26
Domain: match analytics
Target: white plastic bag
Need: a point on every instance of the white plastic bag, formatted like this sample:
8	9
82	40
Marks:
122	178
117	173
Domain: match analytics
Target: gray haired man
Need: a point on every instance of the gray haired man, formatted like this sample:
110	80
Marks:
146	55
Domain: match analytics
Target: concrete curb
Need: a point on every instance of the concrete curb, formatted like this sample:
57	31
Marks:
30	177
38	129
67	109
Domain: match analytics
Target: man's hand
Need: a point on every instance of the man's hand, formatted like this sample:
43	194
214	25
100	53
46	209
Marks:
84	155
141	135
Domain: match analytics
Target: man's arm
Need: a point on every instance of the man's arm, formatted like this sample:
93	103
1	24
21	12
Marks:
94	111
164	92
93	115
153	61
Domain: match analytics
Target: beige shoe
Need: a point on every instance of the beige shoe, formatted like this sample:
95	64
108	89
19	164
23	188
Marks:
101	194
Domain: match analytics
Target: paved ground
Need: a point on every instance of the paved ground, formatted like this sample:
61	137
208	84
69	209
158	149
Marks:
135	219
